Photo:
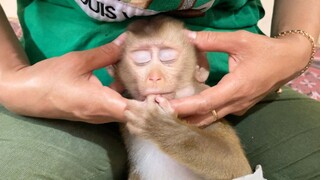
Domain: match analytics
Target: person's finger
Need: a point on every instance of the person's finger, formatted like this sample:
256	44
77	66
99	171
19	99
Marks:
198	104
101	56
218	41
113	99
208	100
201	121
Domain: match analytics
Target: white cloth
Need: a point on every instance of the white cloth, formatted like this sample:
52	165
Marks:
257	175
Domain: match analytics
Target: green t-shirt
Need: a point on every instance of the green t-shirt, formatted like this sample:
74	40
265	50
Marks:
55	27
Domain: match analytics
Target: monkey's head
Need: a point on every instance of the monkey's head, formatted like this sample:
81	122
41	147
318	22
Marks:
157	58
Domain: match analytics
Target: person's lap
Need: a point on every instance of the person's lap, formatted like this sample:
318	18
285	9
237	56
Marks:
33	148
280	133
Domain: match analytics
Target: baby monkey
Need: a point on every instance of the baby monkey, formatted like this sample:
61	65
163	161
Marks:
159	63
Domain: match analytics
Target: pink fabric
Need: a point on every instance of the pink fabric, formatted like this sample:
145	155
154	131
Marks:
16	26
309	82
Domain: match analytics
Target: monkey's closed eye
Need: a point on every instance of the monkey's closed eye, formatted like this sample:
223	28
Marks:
141	56
167	55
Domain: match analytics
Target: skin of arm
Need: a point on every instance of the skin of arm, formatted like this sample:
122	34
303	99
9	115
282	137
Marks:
10	47
258	64
296	14
60	87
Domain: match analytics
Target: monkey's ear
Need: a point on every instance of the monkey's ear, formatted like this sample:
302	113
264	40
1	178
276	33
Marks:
111	70
201	74
202	68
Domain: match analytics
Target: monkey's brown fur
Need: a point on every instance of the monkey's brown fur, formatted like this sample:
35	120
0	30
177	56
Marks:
211	153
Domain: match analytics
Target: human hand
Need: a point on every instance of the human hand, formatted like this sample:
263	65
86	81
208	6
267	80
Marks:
65	88
258	65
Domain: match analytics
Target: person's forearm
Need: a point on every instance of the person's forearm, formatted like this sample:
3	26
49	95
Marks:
12	55
296	15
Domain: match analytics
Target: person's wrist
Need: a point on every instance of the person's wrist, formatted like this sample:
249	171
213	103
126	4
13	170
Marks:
3	88
305	45
1	92
12	92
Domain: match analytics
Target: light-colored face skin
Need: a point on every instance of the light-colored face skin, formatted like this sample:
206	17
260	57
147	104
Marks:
154	63
156	67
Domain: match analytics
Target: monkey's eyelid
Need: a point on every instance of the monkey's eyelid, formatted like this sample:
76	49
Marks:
141	57
168	54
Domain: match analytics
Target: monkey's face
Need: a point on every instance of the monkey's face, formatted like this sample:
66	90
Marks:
157	58
156	69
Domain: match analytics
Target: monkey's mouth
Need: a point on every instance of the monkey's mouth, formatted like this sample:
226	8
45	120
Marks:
167	95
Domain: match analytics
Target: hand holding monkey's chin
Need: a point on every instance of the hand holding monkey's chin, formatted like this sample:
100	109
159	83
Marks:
144	116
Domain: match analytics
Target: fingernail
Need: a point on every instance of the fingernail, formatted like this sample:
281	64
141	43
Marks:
159	99
190	34
120	39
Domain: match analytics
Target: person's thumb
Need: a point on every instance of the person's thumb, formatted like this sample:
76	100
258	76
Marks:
227	42
101	56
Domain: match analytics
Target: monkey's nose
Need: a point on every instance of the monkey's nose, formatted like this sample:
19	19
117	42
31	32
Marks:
154	78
